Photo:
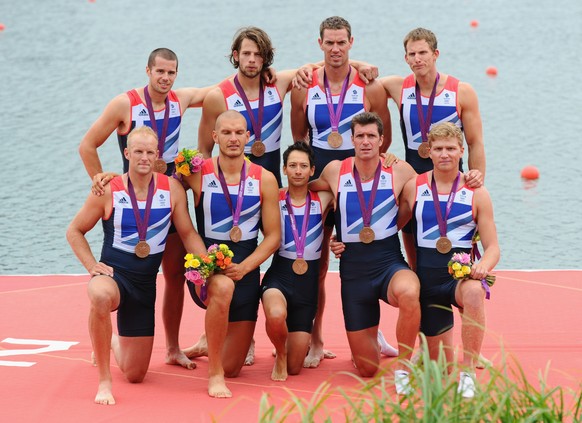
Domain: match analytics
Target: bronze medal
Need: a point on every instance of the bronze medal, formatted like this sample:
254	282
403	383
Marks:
424	150
235	234
300	266
367	235
160	166
258	148
142	249
335	140
444	245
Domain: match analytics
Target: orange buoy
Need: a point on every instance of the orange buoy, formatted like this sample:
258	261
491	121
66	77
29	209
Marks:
474	23
2	27
491	71
530	172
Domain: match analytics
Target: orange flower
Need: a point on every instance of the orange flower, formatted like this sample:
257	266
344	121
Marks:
227	261
179	158
219	255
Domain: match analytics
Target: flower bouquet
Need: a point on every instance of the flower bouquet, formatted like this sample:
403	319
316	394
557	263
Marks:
200	268
188	161
460	269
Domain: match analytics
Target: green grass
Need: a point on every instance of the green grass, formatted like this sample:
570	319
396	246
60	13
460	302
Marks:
504	395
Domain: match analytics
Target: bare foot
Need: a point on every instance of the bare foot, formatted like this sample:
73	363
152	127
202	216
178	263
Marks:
104	395
200	349
217	387
177	357
250	358
93	359
315	355
279	373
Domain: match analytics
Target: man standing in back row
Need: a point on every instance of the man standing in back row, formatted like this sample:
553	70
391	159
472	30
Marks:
321	116
134	109
427	97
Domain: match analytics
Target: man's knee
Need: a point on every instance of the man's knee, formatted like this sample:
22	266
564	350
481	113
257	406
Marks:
473	294
220	290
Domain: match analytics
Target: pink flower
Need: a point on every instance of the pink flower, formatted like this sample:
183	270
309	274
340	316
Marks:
196	163
194	277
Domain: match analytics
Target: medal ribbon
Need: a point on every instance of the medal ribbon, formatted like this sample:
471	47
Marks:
142	224
335	115
299	238
367	211
437	205
241	190
258	123
152	114
425	124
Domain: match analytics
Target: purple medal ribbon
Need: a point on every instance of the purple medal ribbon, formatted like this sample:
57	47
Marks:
437	205
486	288
151	112
142	224
258	123
299	238
335	116
367	211
241	190
425	124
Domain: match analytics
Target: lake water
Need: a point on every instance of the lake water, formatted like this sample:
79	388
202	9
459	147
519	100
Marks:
62	61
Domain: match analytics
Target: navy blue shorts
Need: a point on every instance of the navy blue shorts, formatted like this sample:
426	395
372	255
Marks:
365	272
245	300
270	161
437	296
300	291
136	311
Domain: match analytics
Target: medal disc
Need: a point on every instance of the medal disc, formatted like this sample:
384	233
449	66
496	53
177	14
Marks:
424	150
235	234
335	140
367	235
300	266
258	148
444	245
160	166
142	249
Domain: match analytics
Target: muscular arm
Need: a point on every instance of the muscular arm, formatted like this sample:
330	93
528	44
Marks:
113	117
181	219
378	100
299	127
393	87
472	126
94	209
327	181
271	220
487	232
192	96
212	107
406	203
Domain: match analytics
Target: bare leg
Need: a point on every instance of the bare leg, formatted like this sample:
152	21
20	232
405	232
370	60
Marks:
104	296
173	269
275	308
316	351
471	296
220	291
365	350
199	349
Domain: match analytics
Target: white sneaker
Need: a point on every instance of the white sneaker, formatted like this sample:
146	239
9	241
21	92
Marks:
402	382
466	385
385	348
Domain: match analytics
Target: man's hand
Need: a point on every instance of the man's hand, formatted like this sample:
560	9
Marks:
99	182
234	271
101	269
367	72
389	159
474	178
269	75
303	77
336	247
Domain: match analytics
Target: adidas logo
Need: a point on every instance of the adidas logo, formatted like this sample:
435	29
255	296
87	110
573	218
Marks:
425	193
238	103
316	97
143	112
212	184
411	97
348	183
123	201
